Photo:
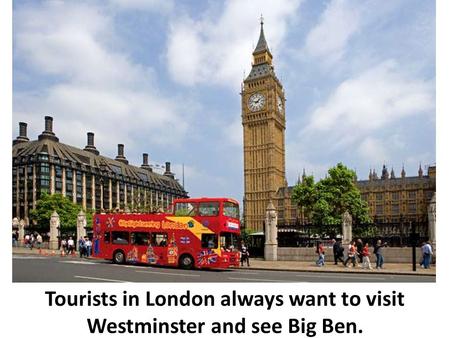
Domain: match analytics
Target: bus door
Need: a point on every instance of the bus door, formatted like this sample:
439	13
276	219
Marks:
157	252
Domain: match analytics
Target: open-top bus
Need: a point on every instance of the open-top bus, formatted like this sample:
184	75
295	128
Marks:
199	232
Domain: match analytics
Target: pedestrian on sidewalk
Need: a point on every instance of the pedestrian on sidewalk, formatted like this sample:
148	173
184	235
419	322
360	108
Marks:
70	246
338	251
378	251
15	238
351	254
63	247
366	257
320	251
245	255
82	247
39	241
427	254
359	249
88	244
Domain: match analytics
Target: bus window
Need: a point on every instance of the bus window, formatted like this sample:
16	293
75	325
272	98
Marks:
231	210
228	240
120	237
208	209
159	239
107	237
209	241
185	209
140	238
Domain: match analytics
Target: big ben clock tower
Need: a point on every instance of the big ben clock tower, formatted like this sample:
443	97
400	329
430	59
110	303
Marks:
263	119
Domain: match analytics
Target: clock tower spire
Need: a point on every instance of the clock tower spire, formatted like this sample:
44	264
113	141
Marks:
264	124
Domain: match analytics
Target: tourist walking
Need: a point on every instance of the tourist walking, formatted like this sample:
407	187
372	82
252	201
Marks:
39	241
63	247
427	252
359	248
338	251
88	244
82	246
245	255
366	257
320	250
378	251
351	254
15	238
70	246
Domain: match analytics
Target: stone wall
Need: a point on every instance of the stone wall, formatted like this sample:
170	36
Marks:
391	255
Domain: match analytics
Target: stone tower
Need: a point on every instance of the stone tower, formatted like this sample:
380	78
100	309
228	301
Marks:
264	124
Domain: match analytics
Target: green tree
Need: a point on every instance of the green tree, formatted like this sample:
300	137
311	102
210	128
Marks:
66	209
324	202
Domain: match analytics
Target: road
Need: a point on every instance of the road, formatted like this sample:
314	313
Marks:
34	268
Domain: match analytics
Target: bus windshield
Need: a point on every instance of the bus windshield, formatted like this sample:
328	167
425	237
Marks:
231	210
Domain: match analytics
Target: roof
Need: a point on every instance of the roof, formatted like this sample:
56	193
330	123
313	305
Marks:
71	155
261	46
260	71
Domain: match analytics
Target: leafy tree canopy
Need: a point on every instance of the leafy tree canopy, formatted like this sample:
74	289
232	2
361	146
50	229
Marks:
66	209
324	202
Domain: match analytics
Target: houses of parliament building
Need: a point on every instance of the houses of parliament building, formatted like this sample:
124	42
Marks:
390	198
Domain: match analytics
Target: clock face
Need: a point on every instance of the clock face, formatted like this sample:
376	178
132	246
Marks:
280	104
256	102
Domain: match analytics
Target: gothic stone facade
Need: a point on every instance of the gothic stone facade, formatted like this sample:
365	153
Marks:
398	199
83	175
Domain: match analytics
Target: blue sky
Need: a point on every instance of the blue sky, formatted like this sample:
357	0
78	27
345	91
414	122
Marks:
164	77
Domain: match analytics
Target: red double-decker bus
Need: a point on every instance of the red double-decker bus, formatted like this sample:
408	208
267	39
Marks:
199	232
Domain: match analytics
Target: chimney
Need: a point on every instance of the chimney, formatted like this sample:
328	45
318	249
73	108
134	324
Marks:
90	144
120	157
145	164
49	124
167	172
48	132
22	134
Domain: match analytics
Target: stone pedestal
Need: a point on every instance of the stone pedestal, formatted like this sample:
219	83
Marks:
346	228
54	226
271	244
81	226
21	226
432	221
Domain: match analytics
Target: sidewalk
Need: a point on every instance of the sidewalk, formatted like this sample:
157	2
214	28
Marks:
261	264
388	268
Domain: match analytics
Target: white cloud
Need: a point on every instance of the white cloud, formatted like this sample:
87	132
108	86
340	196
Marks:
216	48
161	6
338	23
373	151
76	46
378	96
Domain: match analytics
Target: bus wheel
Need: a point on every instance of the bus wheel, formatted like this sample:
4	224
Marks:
119	257
186	262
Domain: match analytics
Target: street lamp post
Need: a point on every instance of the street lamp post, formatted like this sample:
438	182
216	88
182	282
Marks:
413	242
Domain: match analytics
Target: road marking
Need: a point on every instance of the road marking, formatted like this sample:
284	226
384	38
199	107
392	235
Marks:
262	280
340	276
29	257
77	262
243	273
103	279
170	273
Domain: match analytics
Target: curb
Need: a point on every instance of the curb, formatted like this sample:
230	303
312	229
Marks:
406	273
